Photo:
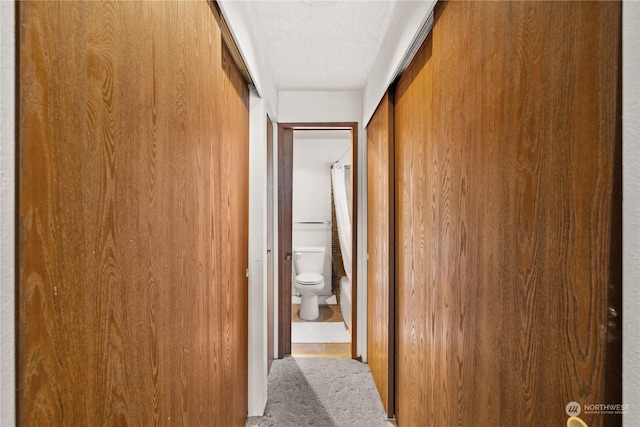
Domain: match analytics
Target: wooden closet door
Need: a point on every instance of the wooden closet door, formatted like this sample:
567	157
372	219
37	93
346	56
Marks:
380	250
508	198
133	217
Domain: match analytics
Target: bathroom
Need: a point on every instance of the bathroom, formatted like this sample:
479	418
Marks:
320	312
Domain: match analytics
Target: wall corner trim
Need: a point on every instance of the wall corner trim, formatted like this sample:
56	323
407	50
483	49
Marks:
410	21
7	213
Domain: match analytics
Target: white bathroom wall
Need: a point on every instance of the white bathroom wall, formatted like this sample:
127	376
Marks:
312	160
7	213
631	211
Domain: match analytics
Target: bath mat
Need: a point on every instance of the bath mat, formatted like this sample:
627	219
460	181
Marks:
327	332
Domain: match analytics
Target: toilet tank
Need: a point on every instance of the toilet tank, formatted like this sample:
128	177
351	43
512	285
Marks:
308	259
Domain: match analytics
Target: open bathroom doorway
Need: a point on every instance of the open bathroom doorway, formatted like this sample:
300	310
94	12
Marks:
308	227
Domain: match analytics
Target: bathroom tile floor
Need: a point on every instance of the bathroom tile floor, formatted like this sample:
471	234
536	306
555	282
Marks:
328	313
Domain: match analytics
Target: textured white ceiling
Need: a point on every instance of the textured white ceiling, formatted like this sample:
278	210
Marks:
322	44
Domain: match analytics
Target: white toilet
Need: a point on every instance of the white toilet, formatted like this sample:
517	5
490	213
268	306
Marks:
308	262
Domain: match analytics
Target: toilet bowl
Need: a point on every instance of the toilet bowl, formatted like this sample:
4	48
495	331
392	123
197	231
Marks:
309	282
309	285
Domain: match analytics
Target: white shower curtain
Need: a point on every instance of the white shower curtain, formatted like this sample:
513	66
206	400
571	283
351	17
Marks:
342	214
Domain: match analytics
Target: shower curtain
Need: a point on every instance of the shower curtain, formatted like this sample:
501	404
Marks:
342	214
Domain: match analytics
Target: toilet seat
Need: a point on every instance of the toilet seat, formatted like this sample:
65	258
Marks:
309	279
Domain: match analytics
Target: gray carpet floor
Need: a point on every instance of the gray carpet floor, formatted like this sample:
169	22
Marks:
321	392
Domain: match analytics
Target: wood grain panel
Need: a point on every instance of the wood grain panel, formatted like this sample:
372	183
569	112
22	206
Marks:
133	217
380	250
285	232
506	131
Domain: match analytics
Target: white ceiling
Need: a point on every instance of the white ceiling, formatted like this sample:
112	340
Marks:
322	44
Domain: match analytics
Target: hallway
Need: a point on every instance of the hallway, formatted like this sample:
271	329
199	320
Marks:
323	392
150	244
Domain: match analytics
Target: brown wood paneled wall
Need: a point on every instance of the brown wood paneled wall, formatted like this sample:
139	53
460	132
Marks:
380	251
506	132
133	214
